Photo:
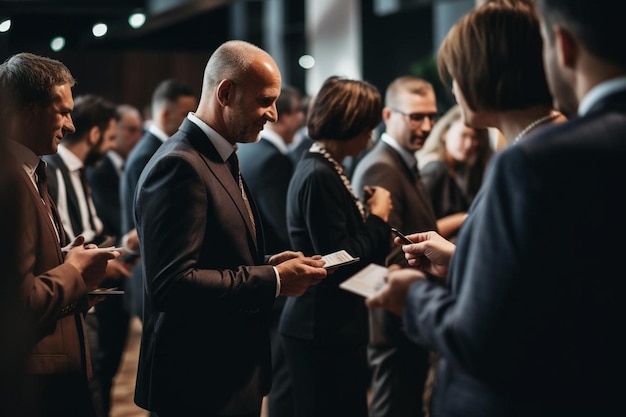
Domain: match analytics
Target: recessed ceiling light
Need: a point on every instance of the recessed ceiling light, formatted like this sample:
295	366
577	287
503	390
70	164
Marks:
306	61
57	43
99	30
136	20
5	25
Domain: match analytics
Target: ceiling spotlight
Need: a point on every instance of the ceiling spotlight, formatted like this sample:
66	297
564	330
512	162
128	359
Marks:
99	30
306	61
136	20
5	25
58	43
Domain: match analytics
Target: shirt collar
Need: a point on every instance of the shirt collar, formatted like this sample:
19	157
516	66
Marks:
116	159
72	162
408	158
275	139
158	132
224	148
599	92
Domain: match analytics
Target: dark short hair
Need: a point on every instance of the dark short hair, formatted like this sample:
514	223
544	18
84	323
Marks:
285	101
597	24
89	111
343	109
168	91
494	53
30	79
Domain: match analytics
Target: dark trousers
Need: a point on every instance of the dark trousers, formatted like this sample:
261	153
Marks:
64	395
329	380
113	324
280	397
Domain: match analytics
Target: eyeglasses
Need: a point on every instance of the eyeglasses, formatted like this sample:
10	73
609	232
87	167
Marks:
417	118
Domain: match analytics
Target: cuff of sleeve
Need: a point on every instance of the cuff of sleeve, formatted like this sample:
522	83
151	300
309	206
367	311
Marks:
277	281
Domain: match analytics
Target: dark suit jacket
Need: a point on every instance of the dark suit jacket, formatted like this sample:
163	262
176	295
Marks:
399	366
412	209
104	183
322	217
208	295
135	163
53	292
530	325
267	172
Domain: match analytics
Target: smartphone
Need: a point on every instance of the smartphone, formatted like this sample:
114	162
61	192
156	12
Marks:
405	239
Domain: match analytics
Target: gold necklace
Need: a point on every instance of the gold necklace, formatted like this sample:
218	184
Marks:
535	123
315	148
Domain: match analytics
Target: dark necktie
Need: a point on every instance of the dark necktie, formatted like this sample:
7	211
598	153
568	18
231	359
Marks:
87	194
233	162
42	186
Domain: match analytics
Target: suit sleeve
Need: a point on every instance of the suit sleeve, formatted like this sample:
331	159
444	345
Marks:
189	244
483	323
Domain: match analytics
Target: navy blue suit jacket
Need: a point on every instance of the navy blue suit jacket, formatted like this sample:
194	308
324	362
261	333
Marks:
531	324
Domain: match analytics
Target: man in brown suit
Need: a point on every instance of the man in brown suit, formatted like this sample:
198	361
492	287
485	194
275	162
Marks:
55	282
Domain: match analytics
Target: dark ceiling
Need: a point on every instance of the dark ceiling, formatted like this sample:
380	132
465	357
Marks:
182	25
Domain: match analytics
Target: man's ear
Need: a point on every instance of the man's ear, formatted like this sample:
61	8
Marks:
94	136
386	113
225	92
566	47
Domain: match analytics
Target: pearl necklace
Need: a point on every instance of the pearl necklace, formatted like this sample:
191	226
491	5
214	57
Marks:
315	148
534	124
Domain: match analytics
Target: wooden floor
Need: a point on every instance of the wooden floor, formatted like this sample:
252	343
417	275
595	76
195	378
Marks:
124	383
122	404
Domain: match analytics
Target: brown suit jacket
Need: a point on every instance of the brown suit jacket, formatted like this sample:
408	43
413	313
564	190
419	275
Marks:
53	292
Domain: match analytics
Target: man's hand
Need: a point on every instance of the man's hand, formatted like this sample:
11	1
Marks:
392	296
431	252
299	273
117	269
90	262
284	256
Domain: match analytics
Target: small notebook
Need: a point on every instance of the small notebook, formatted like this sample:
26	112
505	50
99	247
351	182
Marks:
367	281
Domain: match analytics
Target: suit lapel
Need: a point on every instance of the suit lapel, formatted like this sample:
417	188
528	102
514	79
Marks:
221	171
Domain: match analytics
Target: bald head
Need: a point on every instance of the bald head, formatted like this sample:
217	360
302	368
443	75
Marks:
241	85
234	60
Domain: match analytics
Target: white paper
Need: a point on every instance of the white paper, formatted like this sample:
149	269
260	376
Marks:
367	281
337	259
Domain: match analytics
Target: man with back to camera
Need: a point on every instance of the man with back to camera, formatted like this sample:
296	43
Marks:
399	366
171	101
536	324
55	285
209	287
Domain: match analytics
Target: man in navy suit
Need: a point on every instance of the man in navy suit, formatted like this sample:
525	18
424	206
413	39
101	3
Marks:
531	324
267	168
209	288
171	101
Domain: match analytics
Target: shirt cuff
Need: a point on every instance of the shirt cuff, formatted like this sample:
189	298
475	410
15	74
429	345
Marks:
277	281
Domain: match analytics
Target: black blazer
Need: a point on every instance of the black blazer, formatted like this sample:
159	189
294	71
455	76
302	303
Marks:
135	163
322	217
104	183
531	323
205	342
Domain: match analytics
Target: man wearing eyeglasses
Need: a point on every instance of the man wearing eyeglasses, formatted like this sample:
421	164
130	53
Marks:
399	367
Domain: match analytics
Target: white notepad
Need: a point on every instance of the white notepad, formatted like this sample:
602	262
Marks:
367	281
